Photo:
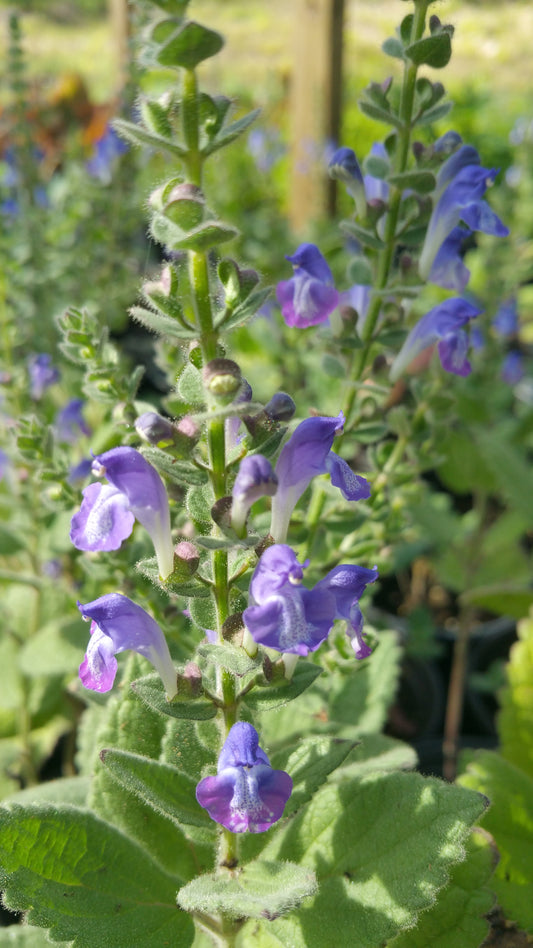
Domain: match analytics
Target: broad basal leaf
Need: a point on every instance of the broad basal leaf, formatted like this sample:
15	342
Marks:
86	882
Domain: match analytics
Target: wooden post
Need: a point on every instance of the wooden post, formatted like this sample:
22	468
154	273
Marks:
120	27
315	109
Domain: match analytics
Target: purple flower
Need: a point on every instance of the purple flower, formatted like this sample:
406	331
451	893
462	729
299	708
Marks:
461	184
309	296
246	795
108	511
69	422
513	367
307	453
448	269
344	167
5	464
286	616
42	374
255	479
107	150
442	325
505	321
119	624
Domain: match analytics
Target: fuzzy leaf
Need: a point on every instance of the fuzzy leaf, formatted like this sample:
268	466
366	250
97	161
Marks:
169	791
136	135
181	472
516	715
83	879
457	919
190	46
261	889
433	50
421	181
229	133
279	693
382	847
233	659
23	936
364	236
309	765
160	324
510	822
152	693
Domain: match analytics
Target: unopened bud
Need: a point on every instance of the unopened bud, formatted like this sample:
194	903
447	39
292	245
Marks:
190	681
186	559
233	629
281	407
221	513
154	429
222	378
185	205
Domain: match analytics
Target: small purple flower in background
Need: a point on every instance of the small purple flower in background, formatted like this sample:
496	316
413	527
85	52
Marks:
42	374
286	616
69	422
247	794
343	166
255	479
444	325
5	464
306	454
309	297
506	320
265	147
461	184
108	511
513	367
107	150
118	625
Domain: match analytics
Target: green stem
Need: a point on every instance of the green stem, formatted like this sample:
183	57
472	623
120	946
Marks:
386	255
190	126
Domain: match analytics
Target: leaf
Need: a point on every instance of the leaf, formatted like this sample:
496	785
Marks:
152	693
309	765
278	694
64	790
229	133
181	472
261	889
190	46
137	135
437	112
433	50
164	788
23	936
83	879
510	822
381	846
379	113
10	541
56	649
516	700
421	181
205	235
364	236
233	659
457	919
504	600
510	469
393	47
160	324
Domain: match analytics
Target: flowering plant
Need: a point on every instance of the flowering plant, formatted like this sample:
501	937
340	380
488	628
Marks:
234	787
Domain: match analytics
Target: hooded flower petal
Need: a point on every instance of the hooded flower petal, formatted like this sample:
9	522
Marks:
444	325
247	794
119	624
135	491
461	184
306	454
309	296
256	478
347	584
448	269
344	167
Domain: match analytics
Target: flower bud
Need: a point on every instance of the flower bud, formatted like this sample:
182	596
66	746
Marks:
189	681
281	407
185	206
154	429
186	559
233	629
222	378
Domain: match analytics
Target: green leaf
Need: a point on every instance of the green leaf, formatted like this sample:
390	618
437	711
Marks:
261	889
10	541
23	936
164	788
206	235
366	237
381	846
421	181
457	919
510	469
432	51
229	133
280	693
510	821
181	472
233	659
86	882
507	599
137	135
245	310
190	386
178	586
393	47
435	114
152	693
199	502
516	700
63	790
160	324
56	649
310	765
190	46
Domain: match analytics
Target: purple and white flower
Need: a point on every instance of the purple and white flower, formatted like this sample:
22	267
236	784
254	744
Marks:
247	794
256	478
286	616
69	422
306	454
42	374
309	297
135	492
118	625
444	325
